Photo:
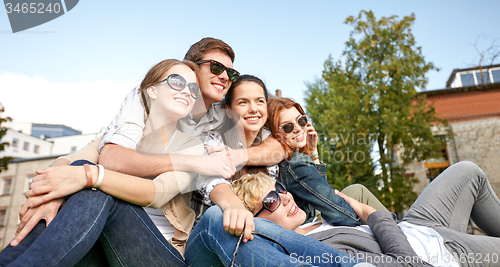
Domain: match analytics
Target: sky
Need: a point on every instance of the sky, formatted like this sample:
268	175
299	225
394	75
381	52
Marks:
77	69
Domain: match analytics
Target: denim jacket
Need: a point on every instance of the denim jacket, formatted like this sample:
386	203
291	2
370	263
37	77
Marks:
311	191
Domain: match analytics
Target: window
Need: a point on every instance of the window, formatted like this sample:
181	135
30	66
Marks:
496	75
3	212
479	77
435	166
6	186
474	77
36	149
15	142
26	146
467	79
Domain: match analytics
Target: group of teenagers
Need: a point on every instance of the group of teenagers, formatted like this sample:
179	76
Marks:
201	168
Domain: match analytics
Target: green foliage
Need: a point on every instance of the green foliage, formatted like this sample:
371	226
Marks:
371	99
3	130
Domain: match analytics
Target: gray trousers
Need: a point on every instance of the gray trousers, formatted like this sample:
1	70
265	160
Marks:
460	192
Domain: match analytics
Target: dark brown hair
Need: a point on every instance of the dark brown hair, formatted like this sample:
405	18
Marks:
205	45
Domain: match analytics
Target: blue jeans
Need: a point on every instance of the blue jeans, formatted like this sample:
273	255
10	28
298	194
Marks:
310	189
126	232
210	245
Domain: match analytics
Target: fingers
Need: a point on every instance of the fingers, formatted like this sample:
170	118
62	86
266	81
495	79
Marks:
226	220
340	194
215	149
46	170
237	221
31	217
249	228
37	190
37	201
24	229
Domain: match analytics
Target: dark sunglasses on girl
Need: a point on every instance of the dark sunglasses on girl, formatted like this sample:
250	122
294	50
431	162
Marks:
290	126
272	200
178	83
218	68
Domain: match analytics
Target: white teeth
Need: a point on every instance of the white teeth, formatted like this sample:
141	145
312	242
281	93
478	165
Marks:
252	118
218	86
181	101
291	211
299	136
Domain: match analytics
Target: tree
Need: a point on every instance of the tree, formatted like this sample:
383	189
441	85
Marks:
3	130
371	119
490	54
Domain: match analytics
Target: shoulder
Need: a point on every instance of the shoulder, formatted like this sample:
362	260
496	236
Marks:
185	141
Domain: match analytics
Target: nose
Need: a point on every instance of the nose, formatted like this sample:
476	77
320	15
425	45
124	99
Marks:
224	76
286	198
252	107
186	91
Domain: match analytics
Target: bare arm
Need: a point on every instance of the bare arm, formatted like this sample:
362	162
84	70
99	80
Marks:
89	152
117	158
236	216
362	210
268	153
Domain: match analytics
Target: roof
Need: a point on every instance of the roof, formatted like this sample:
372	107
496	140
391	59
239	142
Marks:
455	71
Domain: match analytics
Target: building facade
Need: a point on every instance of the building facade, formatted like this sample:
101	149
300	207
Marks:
13	183
471	104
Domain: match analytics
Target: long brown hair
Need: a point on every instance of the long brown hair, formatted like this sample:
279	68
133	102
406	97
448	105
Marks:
274	108
155	74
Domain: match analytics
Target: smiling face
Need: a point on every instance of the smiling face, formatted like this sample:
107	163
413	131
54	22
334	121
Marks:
297	138
288	214
165	100
249	103
214	87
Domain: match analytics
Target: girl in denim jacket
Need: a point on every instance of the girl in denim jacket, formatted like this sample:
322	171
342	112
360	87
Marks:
302	172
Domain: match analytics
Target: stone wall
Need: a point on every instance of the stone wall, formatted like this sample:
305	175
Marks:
475	140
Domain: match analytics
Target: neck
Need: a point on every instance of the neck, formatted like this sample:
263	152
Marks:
250	138
304	231
156	121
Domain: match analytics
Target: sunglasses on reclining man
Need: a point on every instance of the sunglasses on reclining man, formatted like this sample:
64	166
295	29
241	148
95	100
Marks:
218	68
272	200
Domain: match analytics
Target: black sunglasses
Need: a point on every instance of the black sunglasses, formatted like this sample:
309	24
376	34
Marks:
272	200
290	126
178	83
218	68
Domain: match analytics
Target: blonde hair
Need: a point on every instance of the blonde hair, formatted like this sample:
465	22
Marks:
251	187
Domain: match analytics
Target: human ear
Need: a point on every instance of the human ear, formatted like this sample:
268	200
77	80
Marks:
228	112
151	92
